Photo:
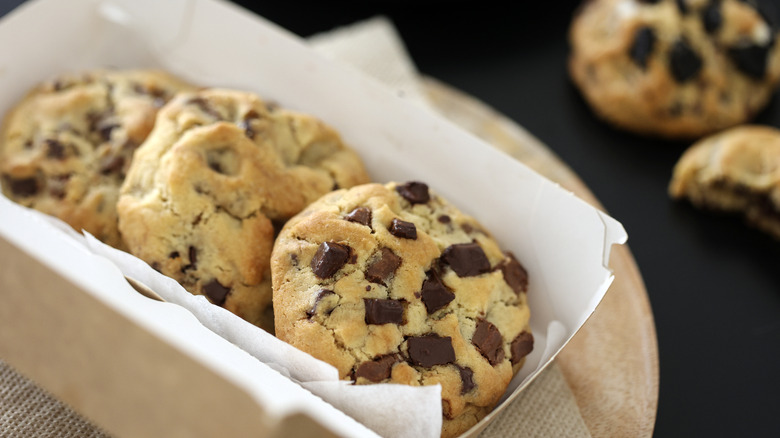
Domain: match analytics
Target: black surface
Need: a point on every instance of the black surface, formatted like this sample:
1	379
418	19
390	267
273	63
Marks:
713	283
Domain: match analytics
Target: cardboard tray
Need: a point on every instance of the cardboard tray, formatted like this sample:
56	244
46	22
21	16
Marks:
138	367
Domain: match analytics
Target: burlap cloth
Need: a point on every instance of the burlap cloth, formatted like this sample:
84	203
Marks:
546	408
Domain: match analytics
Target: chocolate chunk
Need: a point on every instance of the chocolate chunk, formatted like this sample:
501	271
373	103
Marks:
173	255
444	219
246	123
381	311
360	215
466	259
216	292
644	41
54	149
329	258
193	254
205	106
159	96
414	192
383	266
105	128
378	369
682	6
684	63
467	377
521	346
24	187
711	17
514	273
112	164
750	59
429	350
488	341
322	294
403	229
368	287
434	293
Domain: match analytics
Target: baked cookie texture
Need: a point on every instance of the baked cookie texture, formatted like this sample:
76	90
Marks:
206	189
66	147
391	283
674	68
738	171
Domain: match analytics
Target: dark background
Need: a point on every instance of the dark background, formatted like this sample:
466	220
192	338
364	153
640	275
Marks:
713	283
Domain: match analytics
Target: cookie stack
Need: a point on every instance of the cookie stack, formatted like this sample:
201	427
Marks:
263	209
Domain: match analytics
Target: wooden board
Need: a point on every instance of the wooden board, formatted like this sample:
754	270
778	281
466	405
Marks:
611	364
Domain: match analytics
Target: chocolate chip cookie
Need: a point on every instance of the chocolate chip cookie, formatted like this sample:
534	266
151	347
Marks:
674	68
735	171
66	147
391	283
206	189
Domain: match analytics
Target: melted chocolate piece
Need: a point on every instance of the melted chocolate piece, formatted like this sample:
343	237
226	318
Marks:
322	294
429	350
444	219
488	341
751	59
193	264
434	293
684	63
382	267
521	346
682	6
644	41
467	377
514	273
360	215
711	17
329	258
246	123
381	311
54	149
466	259
193	253
403	229
216	292
205	106
24	187
105	128
173	255
414	192
378	369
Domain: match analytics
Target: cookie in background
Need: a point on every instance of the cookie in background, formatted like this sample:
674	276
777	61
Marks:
735	171
678	69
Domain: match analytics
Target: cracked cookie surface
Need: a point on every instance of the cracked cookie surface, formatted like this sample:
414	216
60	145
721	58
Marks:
220	169
391	283
736	171
66	147
675	68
